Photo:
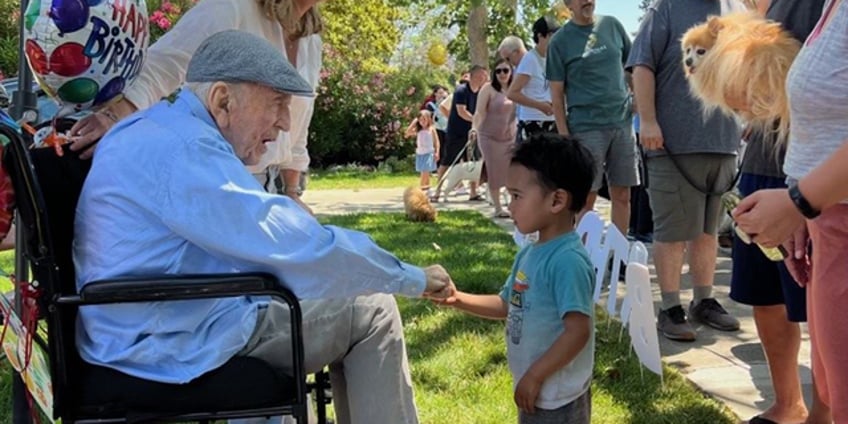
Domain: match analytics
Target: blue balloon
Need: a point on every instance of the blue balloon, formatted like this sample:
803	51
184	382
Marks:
69	15
112	88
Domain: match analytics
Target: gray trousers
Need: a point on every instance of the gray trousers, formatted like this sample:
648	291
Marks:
361	339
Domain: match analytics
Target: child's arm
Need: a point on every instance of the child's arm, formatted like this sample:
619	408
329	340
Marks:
483	305
435	142
575	335
412	129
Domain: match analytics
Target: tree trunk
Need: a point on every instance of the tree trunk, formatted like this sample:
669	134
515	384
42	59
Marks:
478	46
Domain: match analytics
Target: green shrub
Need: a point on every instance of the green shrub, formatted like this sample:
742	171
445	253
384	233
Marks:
360	116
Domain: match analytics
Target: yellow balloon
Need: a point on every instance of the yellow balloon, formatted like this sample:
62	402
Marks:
437	54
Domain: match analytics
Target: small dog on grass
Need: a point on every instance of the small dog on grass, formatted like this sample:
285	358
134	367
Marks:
737	63
418	206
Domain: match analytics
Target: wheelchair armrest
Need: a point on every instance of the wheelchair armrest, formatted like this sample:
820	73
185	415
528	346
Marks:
179	287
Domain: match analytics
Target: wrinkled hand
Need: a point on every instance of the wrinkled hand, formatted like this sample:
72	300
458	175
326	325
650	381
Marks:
650	135
798	262
769	216
439	284
87	131
527	391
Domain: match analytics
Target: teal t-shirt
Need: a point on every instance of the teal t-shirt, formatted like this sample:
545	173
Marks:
547	281
590	61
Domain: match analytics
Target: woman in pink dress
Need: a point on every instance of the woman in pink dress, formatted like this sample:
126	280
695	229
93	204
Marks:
494	125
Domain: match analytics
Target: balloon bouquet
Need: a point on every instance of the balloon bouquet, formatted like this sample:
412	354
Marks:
83	53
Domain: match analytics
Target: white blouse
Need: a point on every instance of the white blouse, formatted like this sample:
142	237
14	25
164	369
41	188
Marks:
167	59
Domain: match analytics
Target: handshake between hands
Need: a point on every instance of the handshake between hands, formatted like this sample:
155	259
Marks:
440	287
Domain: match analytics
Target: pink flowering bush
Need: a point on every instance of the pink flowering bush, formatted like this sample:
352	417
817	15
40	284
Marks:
360	116
163	14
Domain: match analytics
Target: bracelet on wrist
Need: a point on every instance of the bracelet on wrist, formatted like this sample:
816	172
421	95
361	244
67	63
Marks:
801	203
109	114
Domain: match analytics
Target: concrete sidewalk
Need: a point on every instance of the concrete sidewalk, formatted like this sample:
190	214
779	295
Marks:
730	367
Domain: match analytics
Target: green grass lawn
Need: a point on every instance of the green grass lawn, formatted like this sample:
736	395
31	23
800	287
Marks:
459	361
359	179
7	261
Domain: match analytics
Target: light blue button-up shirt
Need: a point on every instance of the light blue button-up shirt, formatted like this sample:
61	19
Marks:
167	195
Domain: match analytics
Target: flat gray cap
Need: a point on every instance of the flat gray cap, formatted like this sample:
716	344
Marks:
238	56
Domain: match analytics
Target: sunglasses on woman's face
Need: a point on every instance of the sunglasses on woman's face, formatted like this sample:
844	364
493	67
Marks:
501	71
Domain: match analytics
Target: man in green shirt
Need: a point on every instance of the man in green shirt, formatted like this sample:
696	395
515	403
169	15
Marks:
591	101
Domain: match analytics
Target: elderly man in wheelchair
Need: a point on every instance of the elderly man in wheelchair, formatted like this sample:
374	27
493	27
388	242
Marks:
168	195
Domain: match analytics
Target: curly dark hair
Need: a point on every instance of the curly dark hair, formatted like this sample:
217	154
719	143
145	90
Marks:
559	162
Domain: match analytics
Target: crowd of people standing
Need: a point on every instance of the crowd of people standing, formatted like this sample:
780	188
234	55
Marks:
571	98
587	79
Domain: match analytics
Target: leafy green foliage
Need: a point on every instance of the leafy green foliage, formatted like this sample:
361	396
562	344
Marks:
502	21
9	40
360	114
366	32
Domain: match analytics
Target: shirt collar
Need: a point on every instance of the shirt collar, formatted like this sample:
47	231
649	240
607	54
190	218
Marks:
188	100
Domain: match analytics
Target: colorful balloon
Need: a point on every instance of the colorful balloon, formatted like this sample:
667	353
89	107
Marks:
31	14
68	60
85	52
69	15
78	90
37	58
438	54
112	88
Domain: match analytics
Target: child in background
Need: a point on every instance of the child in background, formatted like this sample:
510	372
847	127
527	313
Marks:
547	299
427	146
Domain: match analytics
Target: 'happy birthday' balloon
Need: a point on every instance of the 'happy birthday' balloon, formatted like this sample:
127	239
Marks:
83	53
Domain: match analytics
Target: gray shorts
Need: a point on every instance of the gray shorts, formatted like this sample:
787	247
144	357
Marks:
681	211
578	411
614	150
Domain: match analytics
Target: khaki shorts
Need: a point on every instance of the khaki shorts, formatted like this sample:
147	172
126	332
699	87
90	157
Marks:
614	151
681	211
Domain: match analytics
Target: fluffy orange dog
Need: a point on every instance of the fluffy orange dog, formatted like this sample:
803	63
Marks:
417	205
738	63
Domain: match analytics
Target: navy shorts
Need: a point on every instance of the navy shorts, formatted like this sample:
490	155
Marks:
758	281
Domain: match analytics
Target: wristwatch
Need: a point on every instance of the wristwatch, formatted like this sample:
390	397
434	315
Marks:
802	203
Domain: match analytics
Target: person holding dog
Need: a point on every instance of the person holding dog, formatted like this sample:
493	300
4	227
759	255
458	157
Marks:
810	217
779	304
591	102
550	347
292	26
691	162
139	213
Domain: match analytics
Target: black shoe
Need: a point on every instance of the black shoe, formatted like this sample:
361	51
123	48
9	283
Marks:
673	325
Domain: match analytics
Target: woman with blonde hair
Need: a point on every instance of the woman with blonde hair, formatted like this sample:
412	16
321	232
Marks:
294	26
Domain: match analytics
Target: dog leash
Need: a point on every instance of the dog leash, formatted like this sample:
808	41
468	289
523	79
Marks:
691	181
469	155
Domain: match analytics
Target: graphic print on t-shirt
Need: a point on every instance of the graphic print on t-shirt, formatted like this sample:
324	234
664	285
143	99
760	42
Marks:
515	317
